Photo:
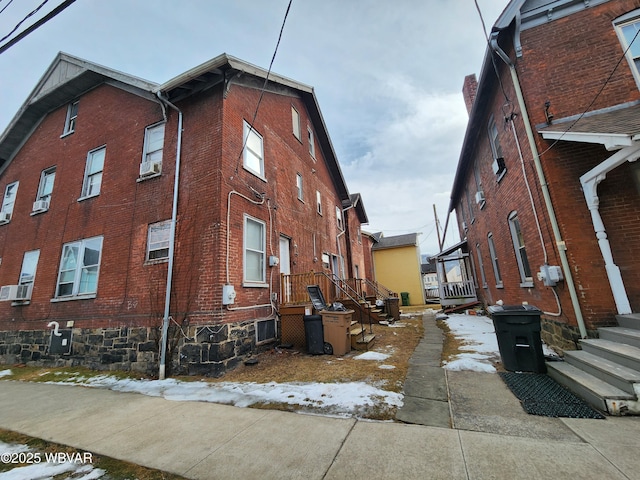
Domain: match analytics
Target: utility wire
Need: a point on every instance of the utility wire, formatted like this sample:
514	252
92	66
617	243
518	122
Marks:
29	15
36	25
5	7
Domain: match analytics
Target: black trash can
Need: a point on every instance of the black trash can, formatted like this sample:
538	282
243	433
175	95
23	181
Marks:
518	333
314	334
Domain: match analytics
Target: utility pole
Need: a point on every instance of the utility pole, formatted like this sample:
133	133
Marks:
435	214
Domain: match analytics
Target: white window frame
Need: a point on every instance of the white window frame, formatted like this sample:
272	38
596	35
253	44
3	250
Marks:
258	250
496	148
300	186
78	274
312	145
29	267
483	275
153	153
339	219
9	199
71	118
318	202
158	240
45	187
252	155
494	261
621	25
92	182
295	123
520	251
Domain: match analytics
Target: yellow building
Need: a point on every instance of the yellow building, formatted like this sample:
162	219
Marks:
396	263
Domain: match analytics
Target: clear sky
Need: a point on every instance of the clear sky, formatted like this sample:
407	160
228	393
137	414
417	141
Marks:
388	76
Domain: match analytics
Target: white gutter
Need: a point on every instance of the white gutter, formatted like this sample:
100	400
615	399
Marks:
589	182
172	241
566	269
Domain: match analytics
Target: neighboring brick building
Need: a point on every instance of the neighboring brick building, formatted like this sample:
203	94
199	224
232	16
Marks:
87	236
546	191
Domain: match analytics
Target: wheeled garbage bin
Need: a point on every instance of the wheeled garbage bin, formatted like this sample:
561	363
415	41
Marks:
336	325
405	299
518	332
314	334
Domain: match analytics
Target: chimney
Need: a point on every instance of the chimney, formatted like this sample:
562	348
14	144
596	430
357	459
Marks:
469	89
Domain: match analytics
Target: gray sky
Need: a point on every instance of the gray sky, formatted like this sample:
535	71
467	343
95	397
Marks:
388	76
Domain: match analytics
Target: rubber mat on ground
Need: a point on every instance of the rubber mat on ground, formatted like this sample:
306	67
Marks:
540	395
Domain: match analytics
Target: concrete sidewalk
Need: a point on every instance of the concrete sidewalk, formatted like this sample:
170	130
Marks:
491	436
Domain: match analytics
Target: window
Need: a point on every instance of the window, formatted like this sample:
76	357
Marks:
158	240
8	201
312	147
153	144
339	221
299	187
70	121
254	250
265	330
520	250
43	198
29	265
79	268
253	151
483	276
318	203
93	172
627	28
494	260
295	120
472	217
498	166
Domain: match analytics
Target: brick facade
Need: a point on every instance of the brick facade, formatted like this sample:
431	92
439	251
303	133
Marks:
567	61
119	325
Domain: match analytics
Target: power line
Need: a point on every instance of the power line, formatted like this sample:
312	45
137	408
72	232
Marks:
36	25
29	15
5	7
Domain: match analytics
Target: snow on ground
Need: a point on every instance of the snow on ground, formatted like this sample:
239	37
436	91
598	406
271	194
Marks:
5	373
480	345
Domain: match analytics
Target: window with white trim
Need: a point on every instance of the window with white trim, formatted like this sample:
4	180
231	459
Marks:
93	172
318	202
79	268
483	276
254	251
158	240
312	146
153	143
339	220
70	120
45	188
253	151
526	280
8	201
29	265
295	122
628	30
494	260
299	187
499	167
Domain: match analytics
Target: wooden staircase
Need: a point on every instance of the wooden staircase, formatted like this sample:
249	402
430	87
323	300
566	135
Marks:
360	339
606	371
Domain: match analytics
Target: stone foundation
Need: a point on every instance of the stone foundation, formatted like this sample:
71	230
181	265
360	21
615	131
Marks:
561	336
199	350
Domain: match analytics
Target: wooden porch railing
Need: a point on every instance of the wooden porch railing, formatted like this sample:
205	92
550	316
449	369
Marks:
457	293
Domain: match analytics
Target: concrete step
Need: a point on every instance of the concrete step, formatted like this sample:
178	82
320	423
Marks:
631	320
601	395
623	354
613	373
630	336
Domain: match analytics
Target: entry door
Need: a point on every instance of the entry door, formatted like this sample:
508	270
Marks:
285	267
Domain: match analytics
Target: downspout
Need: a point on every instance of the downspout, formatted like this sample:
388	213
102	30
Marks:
172	241
543	184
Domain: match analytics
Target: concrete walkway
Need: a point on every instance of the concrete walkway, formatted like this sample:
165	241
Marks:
487	434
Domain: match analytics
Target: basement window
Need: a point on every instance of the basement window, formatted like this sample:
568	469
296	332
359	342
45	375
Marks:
266	330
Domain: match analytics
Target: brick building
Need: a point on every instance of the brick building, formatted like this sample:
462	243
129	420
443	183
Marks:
129	207
546	189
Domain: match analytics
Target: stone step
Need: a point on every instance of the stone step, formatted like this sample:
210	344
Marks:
601	395
630	336
613	373
363	343
630	320
626	355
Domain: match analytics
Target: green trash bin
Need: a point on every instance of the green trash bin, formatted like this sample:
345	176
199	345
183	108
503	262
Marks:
405	298
518	334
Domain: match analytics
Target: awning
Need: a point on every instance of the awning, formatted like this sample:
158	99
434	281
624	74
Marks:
616	127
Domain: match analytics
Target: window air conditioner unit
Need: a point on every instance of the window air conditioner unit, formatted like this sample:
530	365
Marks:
15	293
149	168
498	166
479	196
40	205
4	217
